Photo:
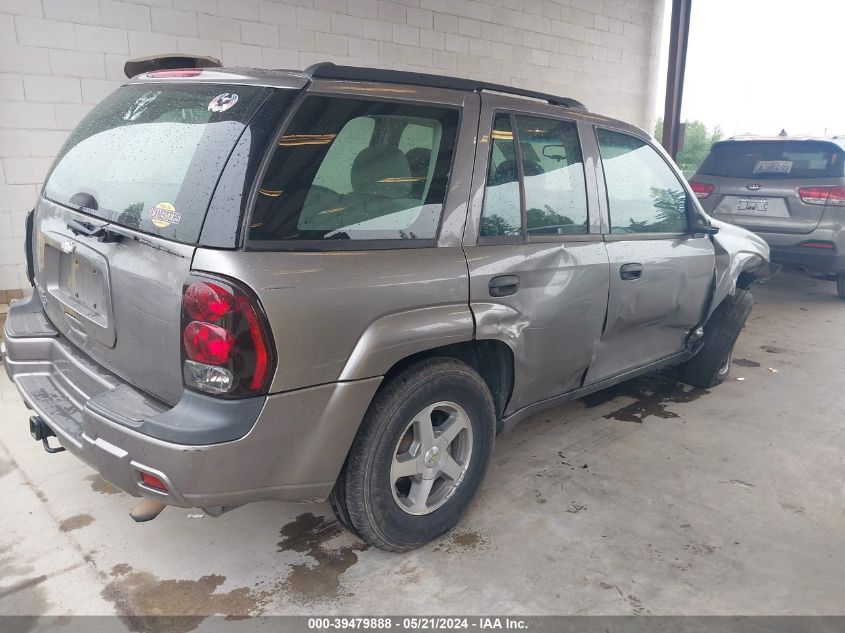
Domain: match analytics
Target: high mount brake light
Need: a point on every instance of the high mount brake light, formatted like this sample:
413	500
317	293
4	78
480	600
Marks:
226	348
174	72
702	189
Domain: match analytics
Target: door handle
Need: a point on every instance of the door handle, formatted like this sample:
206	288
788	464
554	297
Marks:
631	271
504	285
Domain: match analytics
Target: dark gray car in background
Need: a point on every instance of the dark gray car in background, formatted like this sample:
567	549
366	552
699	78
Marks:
346	282
788	190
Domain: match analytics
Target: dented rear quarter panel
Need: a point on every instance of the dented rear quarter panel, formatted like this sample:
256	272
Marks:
351	314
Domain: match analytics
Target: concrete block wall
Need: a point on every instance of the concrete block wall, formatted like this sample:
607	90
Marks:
60	57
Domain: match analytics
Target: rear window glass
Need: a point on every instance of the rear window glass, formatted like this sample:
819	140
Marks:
351	170
774	160
149	156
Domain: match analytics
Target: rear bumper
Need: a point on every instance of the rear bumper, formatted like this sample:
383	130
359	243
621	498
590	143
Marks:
291	446
814	260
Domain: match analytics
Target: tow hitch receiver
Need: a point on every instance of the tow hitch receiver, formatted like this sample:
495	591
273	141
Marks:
40	432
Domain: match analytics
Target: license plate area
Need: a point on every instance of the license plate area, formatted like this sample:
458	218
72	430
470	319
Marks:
77	291
82	280
752	206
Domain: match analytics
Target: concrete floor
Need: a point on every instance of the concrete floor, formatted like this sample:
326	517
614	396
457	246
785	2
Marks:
652	499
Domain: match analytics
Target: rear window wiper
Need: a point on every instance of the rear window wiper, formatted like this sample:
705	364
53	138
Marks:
84	201
101	232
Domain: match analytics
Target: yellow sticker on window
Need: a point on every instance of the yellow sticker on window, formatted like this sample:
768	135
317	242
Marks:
164	214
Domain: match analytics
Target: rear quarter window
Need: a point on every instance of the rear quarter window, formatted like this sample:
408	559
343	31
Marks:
774	160
349	171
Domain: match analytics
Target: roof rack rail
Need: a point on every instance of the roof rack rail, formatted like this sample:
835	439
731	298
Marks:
328	70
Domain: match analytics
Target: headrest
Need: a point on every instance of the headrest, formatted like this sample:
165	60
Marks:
419	159
383	171
506	172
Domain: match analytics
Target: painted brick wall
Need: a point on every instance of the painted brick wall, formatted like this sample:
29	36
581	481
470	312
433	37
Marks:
60	57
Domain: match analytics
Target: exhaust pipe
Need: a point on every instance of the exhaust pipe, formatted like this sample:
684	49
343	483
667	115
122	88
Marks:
147	510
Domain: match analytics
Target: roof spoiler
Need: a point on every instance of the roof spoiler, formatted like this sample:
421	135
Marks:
138	65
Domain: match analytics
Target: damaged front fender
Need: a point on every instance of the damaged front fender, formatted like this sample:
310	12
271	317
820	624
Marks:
741	258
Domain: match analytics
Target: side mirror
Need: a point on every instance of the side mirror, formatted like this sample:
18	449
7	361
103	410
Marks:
706	229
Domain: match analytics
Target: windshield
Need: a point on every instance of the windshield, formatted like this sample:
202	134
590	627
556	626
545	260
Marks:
774	160
149	156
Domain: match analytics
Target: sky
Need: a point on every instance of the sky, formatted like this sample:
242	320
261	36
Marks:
756	66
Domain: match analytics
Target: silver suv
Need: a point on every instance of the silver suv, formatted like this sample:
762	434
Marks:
346	282
788	190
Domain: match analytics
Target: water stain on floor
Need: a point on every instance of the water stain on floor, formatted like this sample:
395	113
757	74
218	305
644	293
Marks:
311	535
773	349
459	541
75	522
98	484
9	567
409	575
745	362
652	395
5	467
137	594
792	507
22	589
700	549
575	507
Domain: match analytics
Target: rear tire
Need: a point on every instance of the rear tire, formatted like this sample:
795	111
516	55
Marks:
712	364
419	456
840	286
337	500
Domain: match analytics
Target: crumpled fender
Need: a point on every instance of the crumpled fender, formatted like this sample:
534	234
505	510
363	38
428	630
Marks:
738	251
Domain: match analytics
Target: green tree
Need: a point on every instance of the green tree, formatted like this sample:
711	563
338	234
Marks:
697	142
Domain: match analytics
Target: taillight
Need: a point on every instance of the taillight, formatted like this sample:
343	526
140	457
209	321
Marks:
207	301
818	244
226	347
834	196
207	343
702	189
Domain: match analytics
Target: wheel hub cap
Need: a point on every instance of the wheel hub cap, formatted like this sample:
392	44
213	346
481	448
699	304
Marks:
431	458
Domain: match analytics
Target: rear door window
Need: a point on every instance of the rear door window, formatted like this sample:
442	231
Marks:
502	214
149	156
774	160
553	196
643	194
351	170
553	173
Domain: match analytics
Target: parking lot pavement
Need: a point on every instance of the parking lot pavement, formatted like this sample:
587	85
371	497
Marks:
655	498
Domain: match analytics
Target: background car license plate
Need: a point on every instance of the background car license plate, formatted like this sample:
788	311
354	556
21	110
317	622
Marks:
752	206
